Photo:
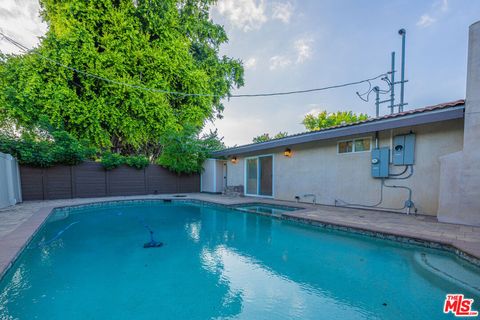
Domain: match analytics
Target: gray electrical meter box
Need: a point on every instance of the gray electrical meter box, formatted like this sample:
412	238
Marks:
380	162
404	149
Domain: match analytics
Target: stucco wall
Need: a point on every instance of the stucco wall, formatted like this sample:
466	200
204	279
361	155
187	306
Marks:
235	172
460	172
10	191
318	168
208	176
212	177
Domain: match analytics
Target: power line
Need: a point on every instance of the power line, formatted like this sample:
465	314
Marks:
185	94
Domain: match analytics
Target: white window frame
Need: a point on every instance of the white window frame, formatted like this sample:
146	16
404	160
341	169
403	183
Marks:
353	145
258	176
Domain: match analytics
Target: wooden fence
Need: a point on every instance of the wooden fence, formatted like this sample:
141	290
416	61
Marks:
90	179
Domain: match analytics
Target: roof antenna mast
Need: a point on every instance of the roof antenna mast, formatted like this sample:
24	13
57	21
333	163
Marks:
403	33
391	84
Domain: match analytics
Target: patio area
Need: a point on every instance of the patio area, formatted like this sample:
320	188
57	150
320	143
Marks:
19	223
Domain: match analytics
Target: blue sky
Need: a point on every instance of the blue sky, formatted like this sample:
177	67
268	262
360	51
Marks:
293	44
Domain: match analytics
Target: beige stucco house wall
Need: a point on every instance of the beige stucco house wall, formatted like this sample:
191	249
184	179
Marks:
213	176
10	190
317	167
446	177
460	171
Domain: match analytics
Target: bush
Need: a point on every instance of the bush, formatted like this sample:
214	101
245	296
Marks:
112	160
70	151
46	150
185	151
138	162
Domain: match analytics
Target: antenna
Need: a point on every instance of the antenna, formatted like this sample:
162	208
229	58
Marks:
403	33
392	81
391	84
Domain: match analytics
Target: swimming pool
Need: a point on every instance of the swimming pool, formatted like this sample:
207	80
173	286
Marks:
89	263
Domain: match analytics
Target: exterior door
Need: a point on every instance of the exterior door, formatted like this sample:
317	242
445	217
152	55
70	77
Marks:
259	176
266	176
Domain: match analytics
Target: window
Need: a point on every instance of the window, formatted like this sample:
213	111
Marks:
362	144
354	145
345	146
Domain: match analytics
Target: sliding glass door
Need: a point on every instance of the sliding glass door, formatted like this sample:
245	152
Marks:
259	176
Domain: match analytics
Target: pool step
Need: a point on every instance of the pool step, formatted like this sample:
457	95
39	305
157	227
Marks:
449	270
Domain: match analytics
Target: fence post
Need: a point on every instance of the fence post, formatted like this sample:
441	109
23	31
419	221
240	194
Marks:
107	183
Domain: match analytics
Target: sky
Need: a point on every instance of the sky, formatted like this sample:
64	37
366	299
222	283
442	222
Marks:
301	44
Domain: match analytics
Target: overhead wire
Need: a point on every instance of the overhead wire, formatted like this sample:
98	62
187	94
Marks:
186	94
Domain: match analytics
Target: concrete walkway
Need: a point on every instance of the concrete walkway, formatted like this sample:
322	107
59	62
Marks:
19	223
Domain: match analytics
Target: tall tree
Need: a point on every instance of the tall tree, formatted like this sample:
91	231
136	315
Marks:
324	120
168	45
266	137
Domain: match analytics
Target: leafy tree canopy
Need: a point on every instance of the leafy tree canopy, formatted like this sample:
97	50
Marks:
266	137
162	44
44	146
186	151
325	120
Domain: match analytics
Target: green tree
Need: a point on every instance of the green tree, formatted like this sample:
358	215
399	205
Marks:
185	152
266	137
161	44
45	147
326	120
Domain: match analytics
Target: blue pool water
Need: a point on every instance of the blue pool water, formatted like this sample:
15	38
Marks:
265	208
221	264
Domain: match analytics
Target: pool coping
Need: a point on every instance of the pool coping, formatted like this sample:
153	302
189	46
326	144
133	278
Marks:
13	243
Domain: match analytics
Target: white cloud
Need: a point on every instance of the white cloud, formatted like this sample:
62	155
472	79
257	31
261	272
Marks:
302	51
20	19
303	48
425	21
438	10
250	63
282	11
244	14
238	128
315	109
444	6
279	62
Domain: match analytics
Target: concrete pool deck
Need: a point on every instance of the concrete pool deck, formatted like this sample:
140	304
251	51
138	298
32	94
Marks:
19	223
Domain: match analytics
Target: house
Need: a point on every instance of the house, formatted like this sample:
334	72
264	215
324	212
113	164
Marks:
425	160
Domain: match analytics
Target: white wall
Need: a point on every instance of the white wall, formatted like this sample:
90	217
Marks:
460	171
212	176
10	189
317	168
207	178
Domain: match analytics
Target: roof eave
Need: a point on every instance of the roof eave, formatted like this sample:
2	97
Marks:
367	127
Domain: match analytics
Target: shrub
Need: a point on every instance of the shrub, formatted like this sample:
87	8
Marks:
112	160
68	150
138	162
46	150
185	151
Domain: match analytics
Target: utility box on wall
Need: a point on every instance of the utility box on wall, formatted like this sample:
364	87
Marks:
404	149
380	162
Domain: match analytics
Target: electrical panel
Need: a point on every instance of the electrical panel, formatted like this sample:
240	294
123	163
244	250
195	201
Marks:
380	162
404	149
